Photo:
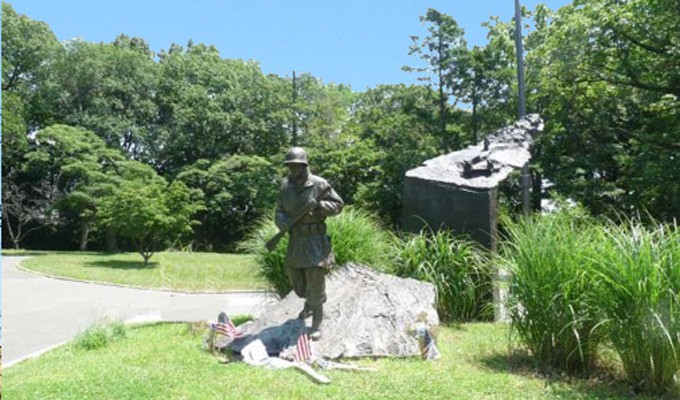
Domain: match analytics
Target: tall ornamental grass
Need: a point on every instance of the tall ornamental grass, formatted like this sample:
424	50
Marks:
551	302
356	237
100	335
459	270
639	269
577	284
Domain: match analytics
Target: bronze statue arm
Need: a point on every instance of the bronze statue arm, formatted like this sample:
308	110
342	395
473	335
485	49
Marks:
329	205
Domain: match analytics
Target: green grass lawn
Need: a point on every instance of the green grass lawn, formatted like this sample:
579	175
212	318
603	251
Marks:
165	361
193	272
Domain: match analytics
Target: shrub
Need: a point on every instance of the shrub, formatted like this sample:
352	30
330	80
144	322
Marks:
551	302
639	299
151	214
459	270
100	335
270	263
356	237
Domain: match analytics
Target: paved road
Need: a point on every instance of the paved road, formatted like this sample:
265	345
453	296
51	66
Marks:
39	313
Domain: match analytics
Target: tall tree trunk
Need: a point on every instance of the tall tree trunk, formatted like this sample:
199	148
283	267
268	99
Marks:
475	118
442	114
536	187
8	224
111	241
84	234
442	99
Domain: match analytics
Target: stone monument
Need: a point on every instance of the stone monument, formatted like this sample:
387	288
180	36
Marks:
458	191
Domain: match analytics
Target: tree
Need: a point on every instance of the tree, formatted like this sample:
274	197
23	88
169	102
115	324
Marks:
348	165
442	51
152	215
609	86
487	79
211	107
320	111
26	45
108	89
24	210
400	123
14	138
76	169
70	170
237	191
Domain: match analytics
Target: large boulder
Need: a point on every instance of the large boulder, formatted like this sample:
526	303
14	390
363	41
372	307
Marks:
366	314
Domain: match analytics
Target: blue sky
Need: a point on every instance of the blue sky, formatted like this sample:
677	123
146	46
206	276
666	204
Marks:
358	43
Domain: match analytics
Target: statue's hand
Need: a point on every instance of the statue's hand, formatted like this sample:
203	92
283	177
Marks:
282	222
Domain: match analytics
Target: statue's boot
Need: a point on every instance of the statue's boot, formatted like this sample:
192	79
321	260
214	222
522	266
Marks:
306	312
317	319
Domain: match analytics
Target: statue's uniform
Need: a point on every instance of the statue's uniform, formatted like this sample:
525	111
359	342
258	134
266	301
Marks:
309	253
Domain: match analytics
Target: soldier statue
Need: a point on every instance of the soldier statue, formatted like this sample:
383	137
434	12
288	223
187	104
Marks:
309	255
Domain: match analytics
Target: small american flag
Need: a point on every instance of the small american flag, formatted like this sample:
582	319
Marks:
304	348
429	350
227	328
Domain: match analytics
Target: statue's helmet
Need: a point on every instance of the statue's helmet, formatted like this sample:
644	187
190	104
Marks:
296	155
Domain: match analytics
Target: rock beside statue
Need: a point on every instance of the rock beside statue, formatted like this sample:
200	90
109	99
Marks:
367	314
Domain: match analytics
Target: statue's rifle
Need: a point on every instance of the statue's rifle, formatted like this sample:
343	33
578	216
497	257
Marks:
274	241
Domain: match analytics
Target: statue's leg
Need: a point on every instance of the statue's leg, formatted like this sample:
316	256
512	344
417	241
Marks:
298	280
317	319
316	289
306	312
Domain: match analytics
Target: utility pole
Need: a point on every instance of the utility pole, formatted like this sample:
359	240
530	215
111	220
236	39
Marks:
526	175
520	58
500	290
294	139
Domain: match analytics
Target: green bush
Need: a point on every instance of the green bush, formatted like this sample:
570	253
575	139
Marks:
551	302
355	234
639	299
458	268
100	335
270	263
